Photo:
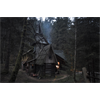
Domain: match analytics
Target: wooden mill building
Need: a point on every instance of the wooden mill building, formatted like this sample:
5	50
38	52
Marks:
44	60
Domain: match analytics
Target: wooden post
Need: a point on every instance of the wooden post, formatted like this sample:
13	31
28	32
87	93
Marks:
84	71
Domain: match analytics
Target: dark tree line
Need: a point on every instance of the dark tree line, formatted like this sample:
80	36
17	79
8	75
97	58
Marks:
60	33
86	29
88	43
16	35
78	38
10	39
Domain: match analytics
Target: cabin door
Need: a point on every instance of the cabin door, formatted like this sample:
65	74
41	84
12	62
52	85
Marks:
49	69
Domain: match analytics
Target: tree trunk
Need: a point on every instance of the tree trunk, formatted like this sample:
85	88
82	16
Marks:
93	70
2	43
1	57
18	61
75	51
7	53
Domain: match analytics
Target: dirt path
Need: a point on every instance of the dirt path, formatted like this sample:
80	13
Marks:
65	76
24	78
47	80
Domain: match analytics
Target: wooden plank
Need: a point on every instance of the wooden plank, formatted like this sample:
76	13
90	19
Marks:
53	70
47	71
48	75
48	68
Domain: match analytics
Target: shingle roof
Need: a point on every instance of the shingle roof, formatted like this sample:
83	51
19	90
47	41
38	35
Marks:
60	53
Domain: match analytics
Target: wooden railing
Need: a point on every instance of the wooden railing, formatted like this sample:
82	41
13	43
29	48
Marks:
94	77
91	77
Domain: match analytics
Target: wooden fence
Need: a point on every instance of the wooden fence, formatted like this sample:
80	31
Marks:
94	77
91	77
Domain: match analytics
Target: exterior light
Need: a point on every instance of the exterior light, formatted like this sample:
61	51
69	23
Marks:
57	66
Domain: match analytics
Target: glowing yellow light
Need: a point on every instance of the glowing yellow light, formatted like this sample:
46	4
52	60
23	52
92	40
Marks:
58	63
57	66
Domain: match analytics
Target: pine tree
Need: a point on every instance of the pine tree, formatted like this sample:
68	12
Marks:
18	61
61	35
27	39
88	43
9	38
75	49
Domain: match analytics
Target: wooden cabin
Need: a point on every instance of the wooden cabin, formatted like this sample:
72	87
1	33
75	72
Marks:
45	61
60	58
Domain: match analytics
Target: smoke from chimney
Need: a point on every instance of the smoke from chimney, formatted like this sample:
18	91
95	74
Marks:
47	27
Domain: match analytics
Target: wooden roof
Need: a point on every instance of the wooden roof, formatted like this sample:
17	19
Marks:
42	55
40	38
40	58
60	53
